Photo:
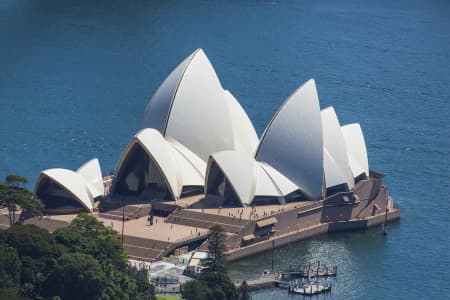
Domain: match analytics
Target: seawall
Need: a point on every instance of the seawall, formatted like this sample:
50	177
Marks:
287	238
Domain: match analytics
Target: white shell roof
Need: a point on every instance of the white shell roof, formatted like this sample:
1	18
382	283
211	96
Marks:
265	186
245	137
161	153
292	142
333	175
194	168
336	166
356	149
191	107
240	170
283	184
72	182
250	178
158	109
177	164
92	173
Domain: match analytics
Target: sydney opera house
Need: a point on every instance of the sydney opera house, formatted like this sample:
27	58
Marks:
196	160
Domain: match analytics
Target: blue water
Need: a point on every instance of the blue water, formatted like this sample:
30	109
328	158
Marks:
76	75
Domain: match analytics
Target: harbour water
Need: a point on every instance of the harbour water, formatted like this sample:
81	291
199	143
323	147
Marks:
76	75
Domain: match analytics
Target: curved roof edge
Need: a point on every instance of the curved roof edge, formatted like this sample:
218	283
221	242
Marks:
250	178
157	111
192	107
292	142
92	173
336	166
72	182
245	137
177	164
239	169
199	116
333	174
158	150
283	184
356	149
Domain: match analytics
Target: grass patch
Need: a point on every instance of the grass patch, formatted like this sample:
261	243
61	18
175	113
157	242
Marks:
167	297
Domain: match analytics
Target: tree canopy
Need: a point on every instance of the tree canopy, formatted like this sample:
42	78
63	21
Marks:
216	261
14	195
84	260
214	283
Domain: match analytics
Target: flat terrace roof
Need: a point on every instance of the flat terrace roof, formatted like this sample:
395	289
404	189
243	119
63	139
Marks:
252	213
160	230
187	201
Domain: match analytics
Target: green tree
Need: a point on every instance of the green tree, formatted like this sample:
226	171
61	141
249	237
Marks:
10	294
31	241
84	260
88	235
38	253
220	285
76	276
210	285
14	194
243	291
10	267
195	290
216	261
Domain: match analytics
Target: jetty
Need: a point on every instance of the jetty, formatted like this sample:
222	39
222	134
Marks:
310	289
309	271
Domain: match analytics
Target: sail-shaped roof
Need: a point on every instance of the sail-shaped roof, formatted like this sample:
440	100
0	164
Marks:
292	142
251	178
336	166
240	170
85	184
245	137
92	173
192	107
356	149
177	165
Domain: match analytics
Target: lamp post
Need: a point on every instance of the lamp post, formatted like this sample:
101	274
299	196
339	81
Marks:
273	251
123	220
385	214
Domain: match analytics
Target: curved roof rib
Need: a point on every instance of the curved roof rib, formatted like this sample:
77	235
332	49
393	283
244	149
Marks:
356	149
239	169
160	152
250	178
72	182
177	165
191	107
157	112
92	173
245	137
292	142
336	166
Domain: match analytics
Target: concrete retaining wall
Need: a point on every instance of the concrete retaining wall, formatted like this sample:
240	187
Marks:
281	240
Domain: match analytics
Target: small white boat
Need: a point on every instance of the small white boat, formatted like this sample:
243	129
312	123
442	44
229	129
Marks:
311	289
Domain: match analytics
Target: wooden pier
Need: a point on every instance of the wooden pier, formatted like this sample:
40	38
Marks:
267	281
282	278
309	271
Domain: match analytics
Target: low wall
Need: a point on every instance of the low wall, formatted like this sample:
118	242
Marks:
281	240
